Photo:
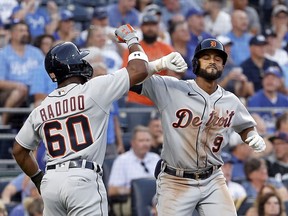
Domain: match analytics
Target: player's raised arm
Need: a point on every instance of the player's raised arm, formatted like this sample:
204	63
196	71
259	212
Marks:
138	66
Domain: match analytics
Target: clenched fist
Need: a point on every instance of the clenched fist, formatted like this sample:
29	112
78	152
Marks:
126	34
256	142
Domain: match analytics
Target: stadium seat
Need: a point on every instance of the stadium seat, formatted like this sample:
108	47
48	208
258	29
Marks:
142	192
107	166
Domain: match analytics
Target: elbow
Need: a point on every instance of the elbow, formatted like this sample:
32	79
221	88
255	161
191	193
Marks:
137	70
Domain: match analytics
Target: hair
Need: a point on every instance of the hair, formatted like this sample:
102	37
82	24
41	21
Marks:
38	40
251	165
36	206
140	128
262	200
172	25
282	118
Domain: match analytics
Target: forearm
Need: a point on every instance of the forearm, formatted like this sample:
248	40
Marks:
25	159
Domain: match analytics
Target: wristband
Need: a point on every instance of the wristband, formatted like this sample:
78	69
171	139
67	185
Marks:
38	171
138	55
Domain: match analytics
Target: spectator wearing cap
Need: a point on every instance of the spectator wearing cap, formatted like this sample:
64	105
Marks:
256	64
66	30
269	96
233	78
240	36
122	13
279	22
257	176
100	18
277	54
196	26
254	26
39	19
154	49
156	10
236	190
217	21
278	164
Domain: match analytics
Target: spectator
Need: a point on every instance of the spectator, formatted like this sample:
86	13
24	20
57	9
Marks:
6	8
100	18
254	26
141	4
196	25
98	38
217	21
156	10
266	189
36	207
240	37
236	190
269	96
279	22
255	66
138	162
155	127
154	49
37	18
20	210
257	176
180	37
233	78
21	66
278	167
240	152
66	30
282	123
270	204
123	12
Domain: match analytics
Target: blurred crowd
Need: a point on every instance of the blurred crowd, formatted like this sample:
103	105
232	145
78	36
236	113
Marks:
255	36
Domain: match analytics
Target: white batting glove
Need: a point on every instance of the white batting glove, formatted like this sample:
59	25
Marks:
173	61
126	34
255	141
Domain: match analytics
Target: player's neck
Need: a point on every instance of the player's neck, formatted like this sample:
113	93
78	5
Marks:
208	86
70	80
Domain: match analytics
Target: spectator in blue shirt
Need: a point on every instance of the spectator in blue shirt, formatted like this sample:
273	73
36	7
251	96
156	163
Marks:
255	66
20	62
38	18
269	96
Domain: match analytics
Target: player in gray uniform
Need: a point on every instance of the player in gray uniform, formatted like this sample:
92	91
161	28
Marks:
196	115
72	122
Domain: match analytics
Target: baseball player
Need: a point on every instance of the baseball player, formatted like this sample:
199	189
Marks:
195	116
72	122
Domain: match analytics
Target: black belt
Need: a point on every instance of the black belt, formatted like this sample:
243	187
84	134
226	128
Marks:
192	175
77	164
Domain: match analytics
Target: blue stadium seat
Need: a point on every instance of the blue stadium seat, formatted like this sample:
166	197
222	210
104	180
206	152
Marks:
142	192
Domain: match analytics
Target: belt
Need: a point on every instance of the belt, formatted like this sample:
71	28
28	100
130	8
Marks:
78	164
197	175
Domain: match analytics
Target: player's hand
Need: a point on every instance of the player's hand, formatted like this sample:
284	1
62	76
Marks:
256	142
126	34
174	62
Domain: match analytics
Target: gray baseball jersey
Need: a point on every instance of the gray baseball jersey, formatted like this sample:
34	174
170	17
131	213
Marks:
72	121
194	122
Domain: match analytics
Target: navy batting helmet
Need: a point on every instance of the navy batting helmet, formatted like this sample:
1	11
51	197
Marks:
208	44
66	60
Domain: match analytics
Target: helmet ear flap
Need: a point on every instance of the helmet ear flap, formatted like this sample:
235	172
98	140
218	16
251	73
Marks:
195	65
